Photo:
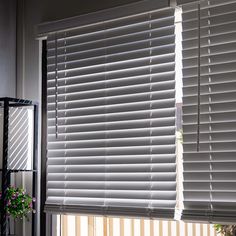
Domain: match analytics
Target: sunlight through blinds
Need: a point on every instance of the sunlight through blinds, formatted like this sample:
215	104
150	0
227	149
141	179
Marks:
209	110
111	117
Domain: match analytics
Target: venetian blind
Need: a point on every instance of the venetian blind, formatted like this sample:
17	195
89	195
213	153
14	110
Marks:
111	117
181	2
209	110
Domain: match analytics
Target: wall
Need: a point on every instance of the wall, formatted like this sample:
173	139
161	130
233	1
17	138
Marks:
7	48
75	8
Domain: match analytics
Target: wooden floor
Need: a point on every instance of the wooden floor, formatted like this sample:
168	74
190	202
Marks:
99	226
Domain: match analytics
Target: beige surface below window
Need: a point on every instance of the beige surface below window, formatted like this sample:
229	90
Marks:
101	226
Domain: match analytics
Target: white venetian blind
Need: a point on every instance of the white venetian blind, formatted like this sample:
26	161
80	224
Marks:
111	117
209	110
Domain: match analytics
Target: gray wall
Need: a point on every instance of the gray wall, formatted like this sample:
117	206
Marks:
70	8
7	48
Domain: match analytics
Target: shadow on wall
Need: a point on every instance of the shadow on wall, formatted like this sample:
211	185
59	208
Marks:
8	48
72	8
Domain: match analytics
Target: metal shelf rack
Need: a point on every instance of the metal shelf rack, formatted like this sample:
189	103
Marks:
5	104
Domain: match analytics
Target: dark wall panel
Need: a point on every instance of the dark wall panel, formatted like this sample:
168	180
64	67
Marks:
7	48
69	8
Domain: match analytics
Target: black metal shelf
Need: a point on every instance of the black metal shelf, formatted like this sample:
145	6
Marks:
6	103
17	102
15	171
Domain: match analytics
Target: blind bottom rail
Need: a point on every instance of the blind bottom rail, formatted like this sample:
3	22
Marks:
111	211
209	216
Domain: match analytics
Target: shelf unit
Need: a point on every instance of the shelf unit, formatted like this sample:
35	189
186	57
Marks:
6	104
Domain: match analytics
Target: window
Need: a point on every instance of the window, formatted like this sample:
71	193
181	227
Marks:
113	91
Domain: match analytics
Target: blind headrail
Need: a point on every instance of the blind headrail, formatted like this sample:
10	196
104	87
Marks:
44	29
